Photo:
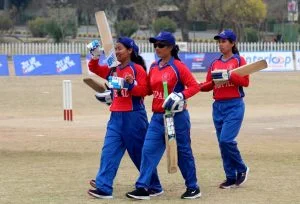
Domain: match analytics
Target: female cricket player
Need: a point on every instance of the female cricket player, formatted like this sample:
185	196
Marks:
128	121
181	86
228	107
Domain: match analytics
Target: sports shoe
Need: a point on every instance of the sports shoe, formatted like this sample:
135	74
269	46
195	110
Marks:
139	194
242	177
191	194
93	183
154	192
97	193
228	183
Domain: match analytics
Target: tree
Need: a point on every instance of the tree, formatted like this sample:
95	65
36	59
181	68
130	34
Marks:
146	11
236	13
86	9
6	5
277	10
126	28
62	20
18	8
181	15
19	3
37	27
183	7
141	11
164	23
5	22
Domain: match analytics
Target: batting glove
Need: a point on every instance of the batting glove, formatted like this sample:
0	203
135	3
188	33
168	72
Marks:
220	75
174	102
94	48
115	82
105	97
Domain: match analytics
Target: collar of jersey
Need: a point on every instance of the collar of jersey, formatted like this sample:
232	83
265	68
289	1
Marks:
232	57
171	61
129	64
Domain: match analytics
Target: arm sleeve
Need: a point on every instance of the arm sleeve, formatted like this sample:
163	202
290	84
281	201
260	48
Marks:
150	92
189	81
141	88
237	79
208	85
102	71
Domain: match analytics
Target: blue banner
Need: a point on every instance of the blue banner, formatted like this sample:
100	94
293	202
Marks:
277	60
102	59
52	64
198	62
3	66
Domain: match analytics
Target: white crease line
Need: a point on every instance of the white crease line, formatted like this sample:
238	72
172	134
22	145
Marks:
269	128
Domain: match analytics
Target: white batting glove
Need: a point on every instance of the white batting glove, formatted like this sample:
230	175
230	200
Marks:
94	48
174	102
105	97
115	82
220	75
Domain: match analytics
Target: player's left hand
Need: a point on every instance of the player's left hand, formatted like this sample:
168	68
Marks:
220	75
174	102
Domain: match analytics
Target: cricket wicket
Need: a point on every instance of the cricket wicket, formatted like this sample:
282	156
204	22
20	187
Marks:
67	100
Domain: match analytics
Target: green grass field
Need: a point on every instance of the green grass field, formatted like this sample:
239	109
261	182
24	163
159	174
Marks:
47	160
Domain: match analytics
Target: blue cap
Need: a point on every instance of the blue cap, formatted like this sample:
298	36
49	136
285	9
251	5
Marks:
163	36
129	43
226	34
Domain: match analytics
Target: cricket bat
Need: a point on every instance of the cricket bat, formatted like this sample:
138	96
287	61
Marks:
96	86
170	136
250	68
106	39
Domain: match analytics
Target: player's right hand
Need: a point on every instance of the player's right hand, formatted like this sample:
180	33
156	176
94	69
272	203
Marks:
129	82
94	48
129	79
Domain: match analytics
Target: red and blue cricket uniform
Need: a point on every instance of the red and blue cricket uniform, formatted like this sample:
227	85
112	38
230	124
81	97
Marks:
127	126
228	113
179	79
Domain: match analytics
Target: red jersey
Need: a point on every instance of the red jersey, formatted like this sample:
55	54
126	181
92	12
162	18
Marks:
233	88
179	79
127	100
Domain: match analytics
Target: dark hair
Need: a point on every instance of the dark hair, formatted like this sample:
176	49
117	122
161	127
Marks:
174	52
234	48
137	58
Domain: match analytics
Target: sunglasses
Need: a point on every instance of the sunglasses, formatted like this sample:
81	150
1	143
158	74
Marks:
159	45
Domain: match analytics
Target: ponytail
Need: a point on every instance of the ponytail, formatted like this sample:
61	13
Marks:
138	60
174	52
234	48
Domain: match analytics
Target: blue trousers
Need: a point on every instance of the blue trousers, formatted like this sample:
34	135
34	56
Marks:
228	117
154	147
125	131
